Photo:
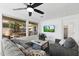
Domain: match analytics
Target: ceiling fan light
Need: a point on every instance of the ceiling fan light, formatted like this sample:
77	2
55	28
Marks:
30	9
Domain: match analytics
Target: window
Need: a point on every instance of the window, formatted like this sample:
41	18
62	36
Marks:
33	28
13	27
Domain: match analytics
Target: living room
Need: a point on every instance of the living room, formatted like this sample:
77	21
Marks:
59	22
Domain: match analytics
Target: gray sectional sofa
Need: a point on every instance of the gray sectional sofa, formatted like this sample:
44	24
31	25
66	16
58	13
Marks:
18	47
69	48
58	50
9	48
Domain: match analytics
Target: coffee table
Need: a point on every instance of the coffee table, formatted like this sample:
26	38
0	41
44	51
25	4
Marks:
40	45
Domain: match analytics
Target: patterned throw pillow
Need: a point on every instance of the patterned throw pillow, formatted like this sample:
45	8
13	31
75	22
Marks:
32	52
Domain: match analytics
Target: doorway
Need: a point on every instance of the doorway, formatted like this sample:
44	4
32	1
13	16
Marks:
65	31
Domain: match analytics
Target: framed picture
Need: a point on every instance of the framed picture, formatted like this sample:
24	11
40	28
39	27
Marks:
49	28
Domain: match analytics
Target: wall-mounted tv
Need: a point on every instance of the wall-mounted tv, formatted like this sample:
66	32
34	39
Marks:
49	28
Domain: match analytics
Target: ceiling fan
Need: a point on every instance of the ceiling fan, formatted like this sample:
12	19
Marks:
31	7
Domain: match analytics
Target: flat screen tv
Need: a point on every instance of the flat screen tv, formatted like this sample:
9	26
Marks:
49	28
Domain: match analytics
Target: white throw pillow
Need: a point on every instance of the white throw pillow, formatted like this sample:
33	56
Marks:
62	42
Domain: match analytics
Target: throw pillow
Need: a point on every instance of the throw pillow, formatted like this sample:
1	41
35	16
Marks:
57	41
69	43
62	42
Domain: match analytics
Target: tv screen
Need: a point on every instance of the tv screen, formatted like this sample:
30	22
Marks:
49	28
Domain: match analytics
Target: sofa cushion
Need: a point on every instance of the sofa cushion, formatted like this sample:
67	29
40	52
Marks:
21	42
58	50
20	46
10	49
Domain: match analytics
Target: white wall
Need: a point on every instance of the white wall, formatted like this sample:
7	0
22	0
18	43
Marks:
0	30
58	28
27	22
72	21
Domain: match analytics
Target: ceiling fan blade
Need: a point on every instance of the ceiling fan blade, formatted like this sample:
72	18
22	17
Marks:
36	10
19	8
36	4
30	13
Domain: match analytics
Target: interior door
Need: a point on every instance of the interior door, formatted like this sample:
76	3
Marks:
68	31
65	32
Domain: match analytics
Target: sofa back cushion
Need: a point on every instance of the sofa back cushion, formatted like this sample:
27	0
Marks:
29	38
69	43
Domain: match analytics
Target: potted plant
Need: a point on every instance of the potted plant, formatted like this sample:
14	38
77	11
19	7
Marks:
42	36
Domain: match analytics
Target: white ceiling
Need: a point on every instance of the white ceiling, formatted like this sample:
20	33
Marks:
51	10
